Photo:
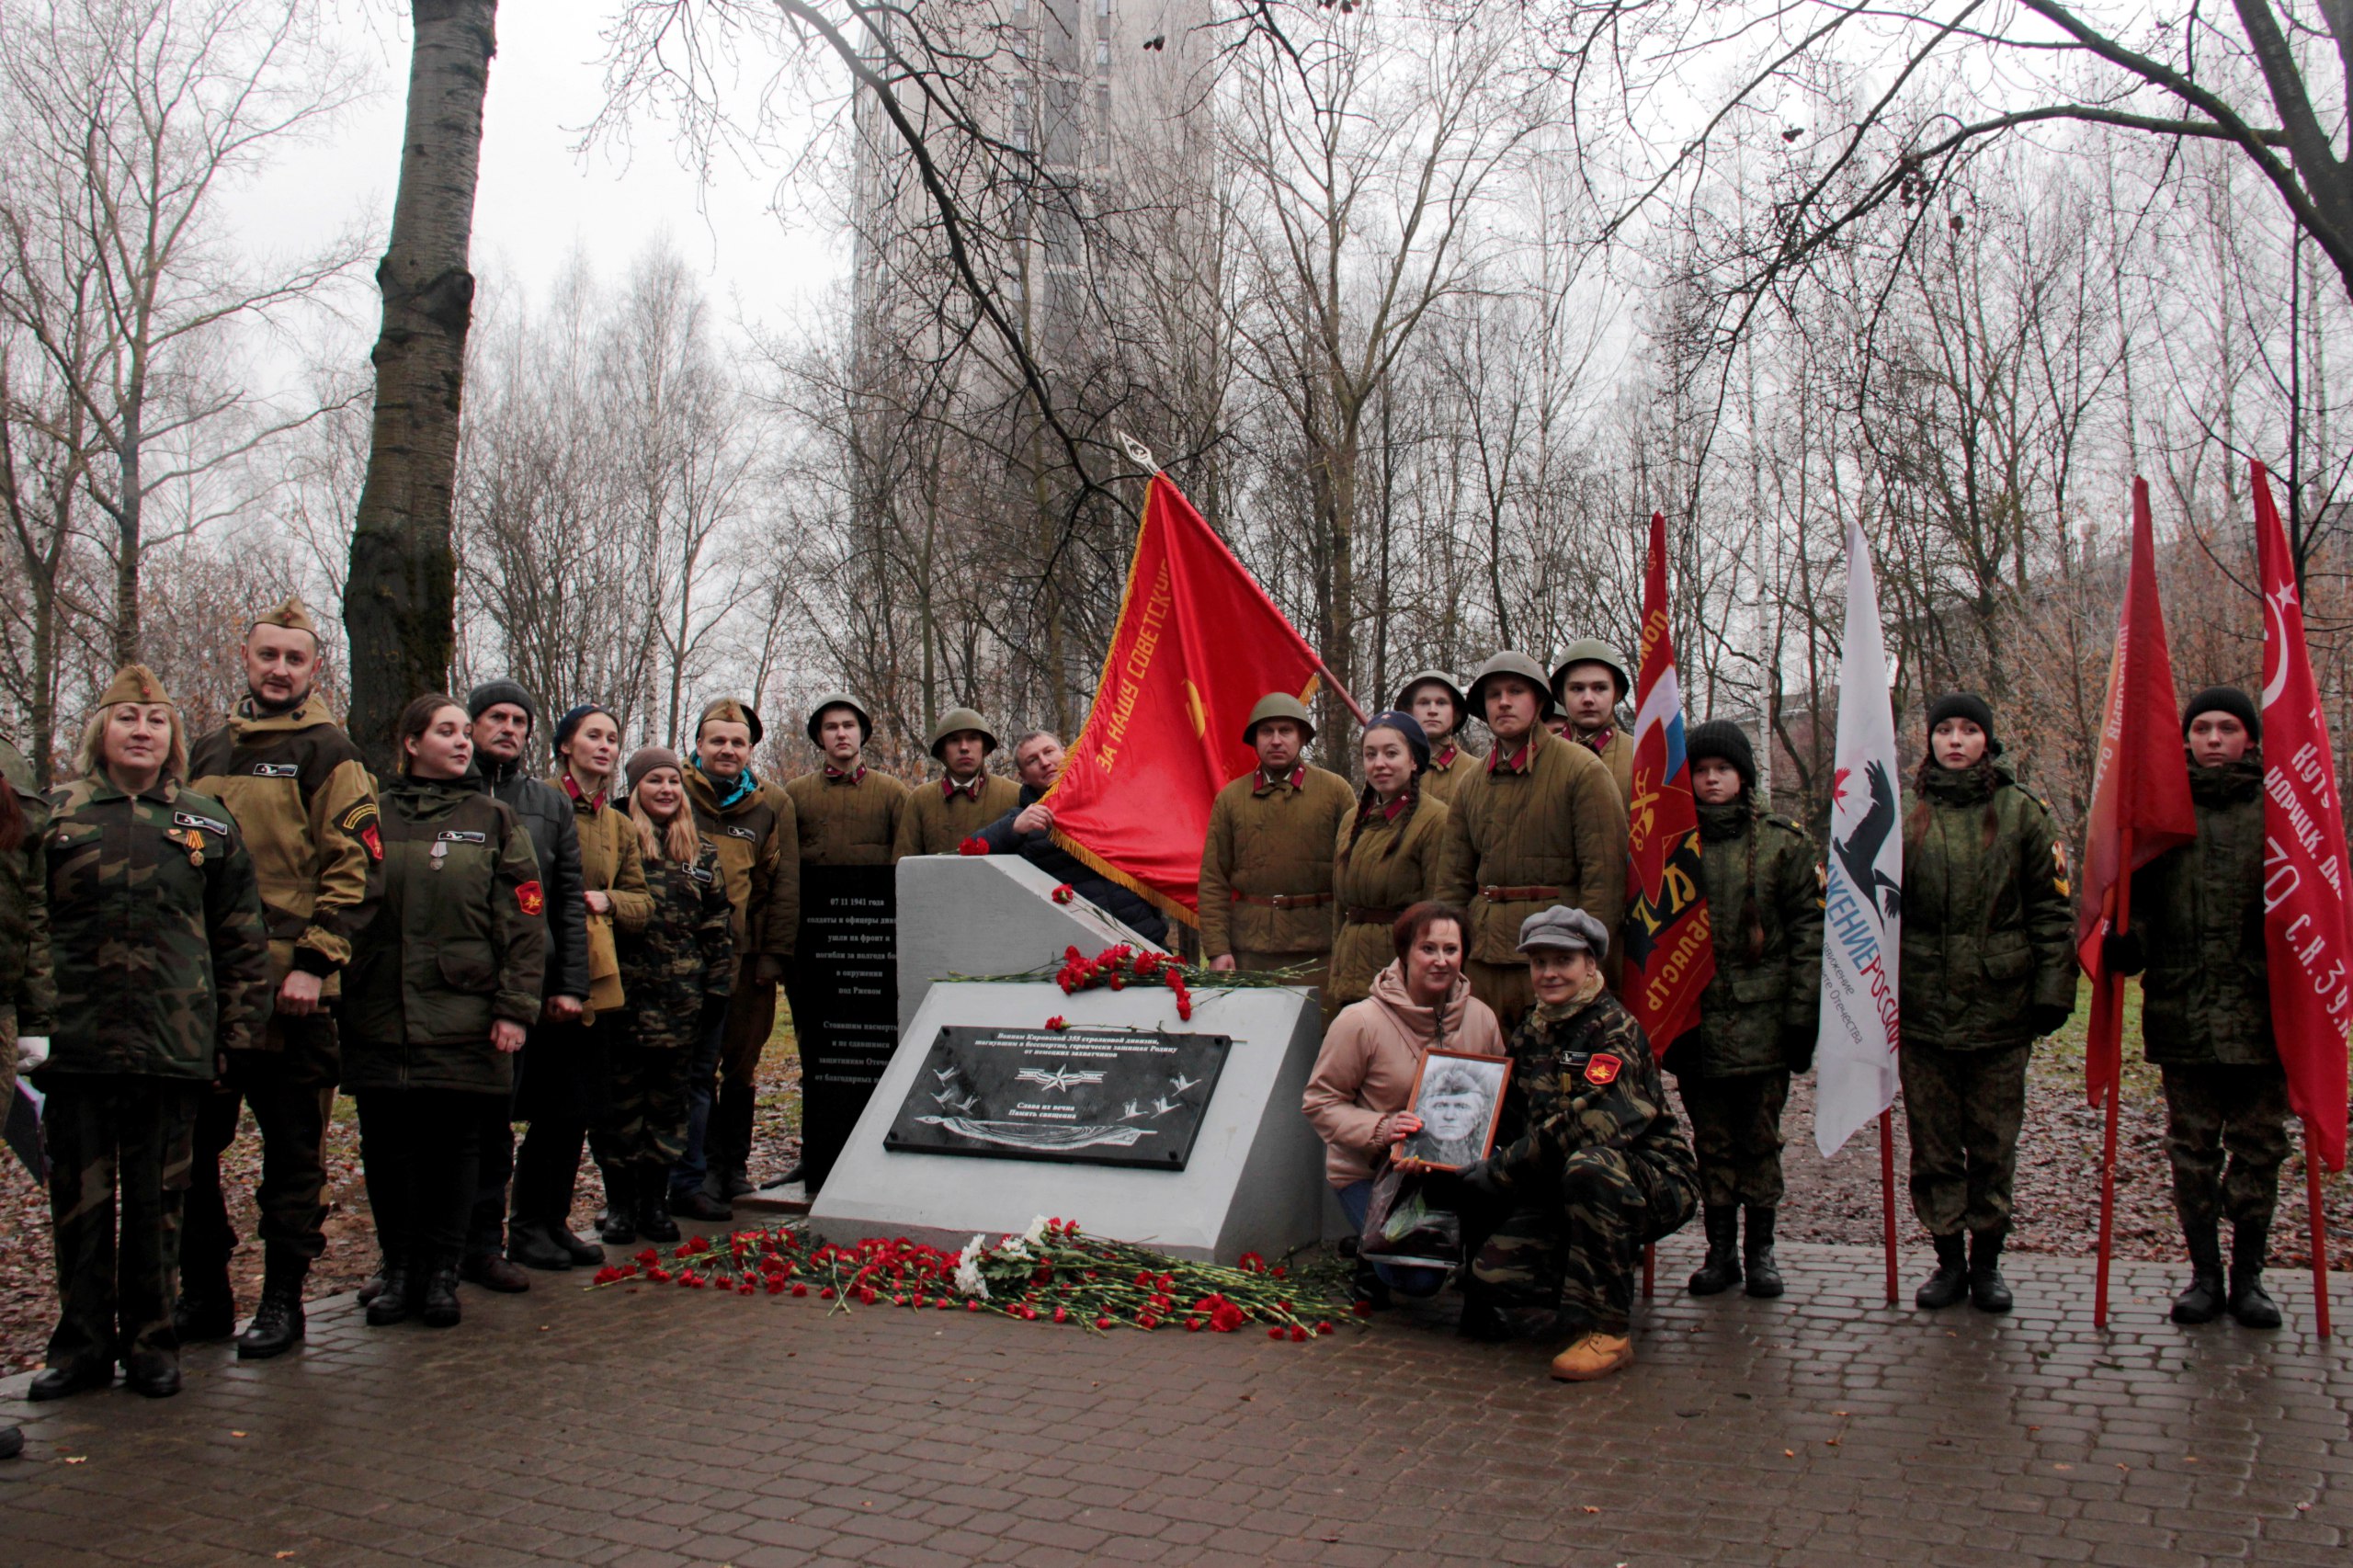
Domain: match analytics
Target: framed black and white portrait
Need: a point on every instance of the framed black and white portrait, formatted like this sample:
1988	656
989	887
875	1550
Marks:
1459	1100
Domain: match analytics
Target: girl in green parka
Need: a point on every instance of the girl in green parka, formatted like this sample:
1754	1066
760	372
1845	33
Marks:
1759	1015
2197	941
434	1004
1988	967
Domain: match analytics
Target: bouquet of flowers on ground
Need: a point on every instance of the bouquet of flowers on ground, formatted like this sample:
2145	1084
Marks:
1053	1272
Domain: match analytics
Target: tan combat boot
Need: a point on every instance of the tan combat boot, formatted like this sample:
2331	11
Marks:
1595	1356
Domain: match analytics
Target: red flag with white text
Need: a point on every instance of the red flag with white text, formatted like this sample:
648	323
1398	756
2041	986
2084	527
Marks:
2307	928
1197	644
2140	790
1670	950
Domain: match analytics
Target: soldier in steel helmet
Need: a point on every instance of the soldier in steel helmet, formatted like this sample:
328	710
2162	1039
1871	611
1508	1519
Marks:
1539	823
1437	699
940	818
1589	681
1266	889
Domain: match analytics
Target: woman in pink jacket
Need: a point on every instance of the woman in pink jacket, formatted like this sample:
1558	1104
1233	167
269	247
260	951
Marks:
1371	1054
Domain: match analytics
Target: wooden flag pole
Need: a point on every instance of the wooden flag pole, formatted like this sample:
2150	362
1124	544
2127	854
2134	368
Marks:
1340	691
1887	1193
2319	1222
2115	1083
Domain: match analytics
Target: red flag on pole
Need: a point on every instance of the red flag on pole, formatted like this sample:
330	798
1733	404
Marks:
2139	804
1670	952
1197	644
2140	809
2307	929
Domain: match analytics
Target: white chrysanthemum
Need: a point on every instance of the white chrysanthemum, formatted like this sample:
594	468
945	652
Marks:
969	1278
1037	1231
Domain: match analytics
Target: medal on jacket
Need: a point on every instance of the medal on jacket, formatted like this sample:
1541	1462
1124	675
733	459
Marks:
193	839
440	855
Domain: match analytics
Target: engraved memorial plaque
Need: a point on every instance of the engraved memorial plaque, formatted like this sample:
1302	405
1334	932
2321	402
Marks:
1104	1097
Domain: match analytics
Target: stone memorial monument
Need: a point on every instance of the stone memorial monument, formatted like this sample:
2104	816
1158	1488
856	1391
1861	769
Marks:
1180	1135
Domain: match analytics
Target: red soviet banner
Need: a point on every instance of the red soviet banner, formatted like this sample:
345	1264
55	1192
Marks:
2140	793
2308	933
1197	644
1670	948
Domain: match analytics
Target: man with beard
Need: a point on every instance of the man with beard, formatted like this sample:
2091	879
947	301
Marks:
502	715
302	797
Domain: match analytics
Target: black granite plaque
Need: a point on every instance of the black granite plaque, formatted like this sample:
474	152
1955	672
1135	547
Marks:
844	998
1085	1097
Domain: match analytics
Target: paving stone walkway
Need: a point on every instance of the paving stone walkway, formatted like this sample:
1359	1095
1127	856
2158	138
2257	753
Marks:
660	1427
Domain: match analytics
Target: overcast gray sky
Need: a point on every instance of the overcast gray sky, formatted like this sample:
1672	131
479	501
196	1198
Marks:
538	199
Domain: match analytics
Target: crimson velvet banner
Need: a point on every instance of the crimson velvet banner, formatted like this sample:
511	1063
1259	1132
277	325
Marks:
1198	643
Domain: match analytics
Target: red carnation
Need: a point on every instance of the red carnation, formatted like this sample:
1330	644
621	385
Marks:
1298	1335
1061	1314
1064	893
1192	1325
973	846
1103	1323
1058	1022
1275	1333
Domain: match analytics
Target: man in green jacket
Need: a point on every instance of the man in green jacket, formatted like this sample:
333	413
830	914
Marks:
1759	1015
2197	940
1265	888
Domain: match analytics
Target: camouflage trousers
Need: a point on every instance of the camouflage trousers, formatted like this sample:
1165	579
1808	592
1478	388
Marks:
1736	1136
290	1087
116	1141
645	1123
1576	1242
2213	1110
1963	1109
1509	988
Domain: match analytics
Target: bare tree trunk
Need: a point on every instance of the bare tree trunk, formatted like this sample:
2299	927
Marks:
400	610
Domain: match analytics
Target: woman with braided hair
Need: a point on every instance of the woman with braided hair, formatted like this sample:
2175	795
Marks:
1386	860
1759	1016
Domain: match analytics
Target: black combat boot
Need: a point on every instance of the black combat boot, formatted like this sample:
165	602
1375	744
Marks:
730	1152
154	1373
12	1442
207	1306
277	1322
493	1272
396	1297
584	1253
1987	1290
2202	1302
698	1204
533	1245
73	1378
617	1227
1757	1253
1721	1270
2251	1306
440	1309
653	1222
1950	1283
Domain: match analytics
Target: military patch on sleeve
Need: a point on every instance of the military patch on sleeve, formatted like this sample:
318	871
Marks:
361	823
210	824
1603	1070
530	898
2059	867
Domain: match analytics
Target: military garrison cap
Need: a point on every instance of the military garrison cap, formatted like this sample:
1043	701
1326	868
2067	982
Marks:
1565	929
292	614
1276	705
957	719
134	683
727	711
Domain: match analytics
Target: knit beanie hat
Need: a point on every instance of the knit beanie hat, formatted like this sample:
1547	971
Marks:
490	693
1970	705
1723	739
645	759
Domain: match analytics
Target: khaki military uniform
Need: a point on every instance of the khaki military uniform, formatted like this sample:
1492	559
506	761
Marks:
940	815
1988	965
1525	833
1392	865
1449	765
161	961
306	806
1590	1167
849	819
1265	887
1615	749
